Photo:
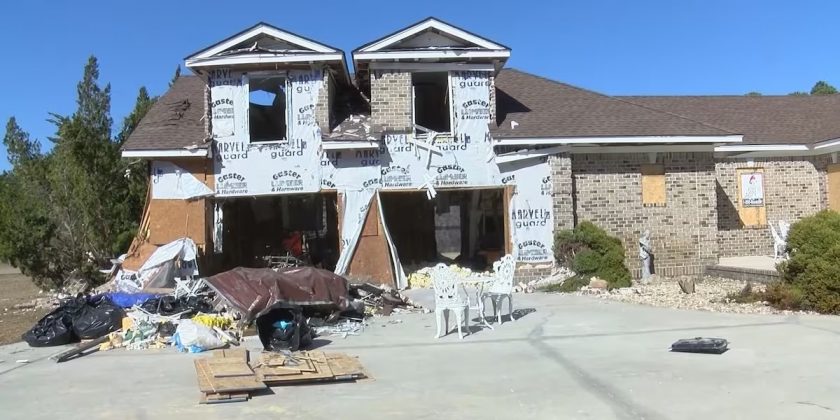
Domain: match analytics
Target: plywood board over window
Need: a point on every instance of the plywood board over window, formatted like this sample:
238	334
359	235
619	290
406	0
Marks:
653	185
752	206
833	186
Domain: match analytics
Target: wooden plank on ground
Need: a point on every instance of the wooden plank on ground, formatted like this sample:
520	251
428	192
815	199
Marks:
222	368
204	384
229	384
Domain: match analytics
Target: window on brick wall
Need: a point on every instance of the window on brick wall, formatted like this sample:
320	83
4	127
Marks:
653	185
267	110
431	101
751	203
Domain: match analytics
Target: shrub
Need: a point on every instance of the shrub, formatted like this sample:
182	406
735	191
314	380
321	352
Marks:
813	270
571	284
589	251
778	295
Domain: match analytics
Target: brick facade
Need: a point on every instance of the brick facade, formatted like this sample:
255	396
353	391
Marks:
390	100
793	188
607	191
324	105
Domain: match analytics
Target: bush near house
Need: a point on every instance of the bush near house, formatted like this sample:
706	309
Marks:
590	252
812	273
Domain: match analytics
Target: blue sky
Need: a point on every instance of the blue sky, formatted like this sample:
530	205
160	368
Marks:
611	46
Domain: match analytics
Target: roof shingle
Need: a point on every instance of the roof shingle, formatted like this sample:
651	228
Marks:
761	119
174	121
546	108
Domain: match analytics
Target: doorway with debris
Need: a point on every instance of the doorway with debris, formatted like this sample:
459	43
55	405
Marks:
463	227
267	231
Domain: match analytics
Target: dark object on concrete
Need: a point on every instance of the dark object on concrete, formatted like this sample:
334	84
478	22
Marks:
255	291
185	305
284	328
701	345
97	318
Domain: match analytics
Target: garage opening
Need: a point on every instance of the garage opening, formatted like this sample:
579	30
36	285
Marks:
261	231
464	227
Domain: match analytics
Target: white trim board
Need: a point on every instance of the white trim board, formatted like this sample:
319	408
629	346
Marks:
616	140
432	67
349	144
431	24
197	152
262	59
261	29
437	54
529	154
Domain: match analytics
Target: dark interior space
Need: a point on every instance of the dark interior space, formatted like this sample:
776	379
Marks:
303	226
267	108
431	100
465	227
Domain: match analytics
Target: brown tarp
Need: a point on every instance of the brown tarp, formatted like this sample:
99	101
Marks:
253	291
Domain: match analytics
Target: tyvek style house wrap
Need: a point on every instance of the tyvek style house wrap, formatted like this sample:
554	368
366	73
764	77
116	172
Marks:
560	154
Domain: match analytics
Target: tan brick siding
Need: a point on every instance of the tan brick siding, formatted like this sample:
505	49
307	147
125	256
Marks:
607	192
322	108
793	188
390	99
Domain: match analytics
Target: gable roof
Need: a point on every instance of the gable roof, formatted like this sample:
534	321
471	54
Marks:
267	44
761	119
543	108
430	24
175	121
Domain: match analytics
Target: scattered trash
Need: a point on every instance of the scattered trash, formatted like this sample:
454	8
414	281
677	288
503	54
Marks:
701	345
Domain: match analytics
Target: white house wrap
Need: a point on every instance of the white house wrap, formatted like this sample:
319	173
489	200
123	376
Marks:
531	211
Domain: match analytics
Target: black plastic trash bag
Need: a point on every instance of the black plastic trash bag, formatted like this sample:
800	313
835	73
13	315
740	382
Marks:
186	305
284	328
99	317
55	329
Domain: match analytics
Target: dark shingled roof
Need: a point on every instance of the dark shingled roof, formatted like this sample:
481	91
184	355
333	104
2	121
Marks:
761	119
546	108
175	120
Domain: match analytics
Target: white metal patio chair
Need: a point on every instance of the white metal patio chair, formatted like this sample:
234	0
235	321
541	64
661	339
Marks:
449	296
779	244
502	286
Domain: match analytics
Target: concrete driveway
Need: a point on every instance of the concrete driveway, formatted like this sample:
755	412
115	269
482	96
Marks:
572	358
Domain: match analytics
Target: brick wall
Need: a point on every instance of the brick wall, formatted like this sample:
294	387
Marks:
390	99
322	108
607	192
793	188
561	177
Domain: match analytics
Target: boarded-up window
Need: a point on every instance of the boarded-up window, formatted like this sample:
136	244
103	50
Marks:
653	185
833	186
751	202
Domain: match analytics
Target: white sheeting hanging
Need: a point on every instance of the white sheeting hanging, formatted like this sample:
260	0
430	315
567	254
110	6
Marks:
171	182
399	273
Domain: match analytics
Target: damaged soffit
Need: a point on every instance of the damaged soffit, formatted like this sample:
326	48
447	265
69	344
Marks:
264	44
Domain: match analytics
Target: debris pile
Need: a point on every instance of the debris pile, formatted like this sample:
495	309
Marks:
371	300
422	279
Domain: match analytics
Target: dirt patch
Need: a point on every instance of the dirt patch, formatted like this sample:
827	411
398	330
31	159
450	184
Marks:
16	289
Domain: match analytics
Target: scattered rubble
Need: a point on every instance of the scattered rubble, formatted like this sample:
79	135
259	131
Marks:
710	294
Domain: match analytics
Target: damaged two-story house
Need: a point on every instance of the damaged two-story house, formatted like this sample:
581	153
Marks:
434	151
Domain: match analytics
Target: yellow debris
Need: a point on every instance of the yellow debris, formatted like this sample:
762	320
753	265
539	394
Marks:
213	320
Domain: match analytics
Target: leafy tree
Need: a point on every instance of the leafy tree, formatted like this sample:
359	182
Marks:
753	94
823	88
65	213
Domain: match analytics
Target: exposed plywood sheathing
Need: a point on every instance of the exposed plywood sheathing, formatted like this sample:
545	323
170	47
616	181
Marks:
173	219
750	216
653	184
372	259
833	186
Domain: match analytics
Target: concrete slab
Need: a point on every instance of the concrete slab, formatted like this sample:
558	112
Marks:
754	262
572	357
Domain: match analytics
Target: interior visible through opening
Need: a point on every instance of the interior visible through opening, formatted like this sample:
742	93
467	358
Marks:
465	227
259	230
431	100
267	108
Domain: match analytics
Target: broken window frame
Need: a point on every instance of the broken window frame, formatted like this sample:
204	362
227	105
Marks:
287	115
421	131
